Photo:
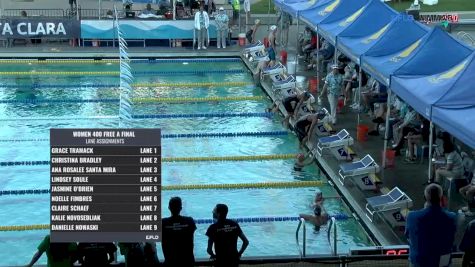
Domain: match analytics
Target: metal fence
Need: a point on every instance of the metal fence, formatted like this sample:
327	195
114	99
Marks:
34	12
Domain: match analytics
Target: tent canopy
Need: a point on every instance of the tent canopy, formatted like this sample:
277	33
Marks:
393	49
282	3
315	15
294	8
452	88
439	53
459	122
363	33
343	16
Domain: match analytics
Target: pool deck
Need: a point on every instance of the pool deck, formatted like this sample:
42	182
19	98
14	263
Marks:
410	178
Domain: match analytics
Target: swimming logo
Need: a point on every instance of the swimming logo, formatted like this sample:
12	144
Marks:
352	18
329	8
407	52
449	74
376	35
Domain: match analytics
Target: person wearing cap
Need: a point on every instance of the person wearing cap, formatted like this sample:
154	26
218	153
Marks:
305	127
302	161
201	26
333	87
251	34
320	216
222	28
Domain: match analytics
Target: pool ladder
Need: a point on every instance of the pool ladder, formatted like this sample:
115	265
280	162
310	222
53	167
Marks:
331	236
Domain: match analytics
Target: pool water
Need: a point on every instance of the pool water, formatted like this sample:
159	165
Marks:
22	121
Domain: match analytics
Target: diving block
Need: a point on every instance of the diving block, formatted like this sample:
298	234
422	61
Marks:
396	218
364	166
367	182
283	93
336	144
259	56
275	69
393	200
253	48
283	82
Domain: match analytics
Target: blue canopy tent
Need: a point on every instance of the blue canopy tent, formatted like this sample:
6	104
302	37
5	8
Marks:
446	98
313	16
459	122
393	49
440	52
294	8
343	16
282	3
363	33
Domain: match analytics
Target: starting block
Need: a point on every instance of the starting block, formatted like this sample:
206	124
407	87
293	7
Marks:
337	144
367	182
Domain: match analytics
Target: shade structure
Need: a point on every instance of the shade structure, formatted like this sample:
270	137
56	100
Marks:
343	16
367	29
393	49
294	8
282	3
313	16
459	122
423	80
453	88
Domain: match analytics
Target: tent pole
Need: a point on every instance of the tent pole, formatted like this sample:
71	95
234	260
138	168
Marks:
386	129
268	15
318	60
296	47
431	137
281	25
100	9
360	83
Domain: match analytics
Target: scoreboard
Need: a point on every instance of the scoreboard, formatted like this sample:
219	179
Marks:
105	185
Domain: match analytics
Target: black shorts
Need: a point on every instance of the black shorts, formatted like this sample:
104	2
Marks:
288	103
301	128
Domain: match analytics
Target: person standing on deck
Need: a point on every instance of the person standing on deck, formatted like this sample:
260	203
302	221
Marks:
201	26
222	23
333	86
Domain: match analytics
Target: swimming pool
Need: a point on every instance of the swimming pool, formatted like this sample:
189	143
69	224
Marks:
24	132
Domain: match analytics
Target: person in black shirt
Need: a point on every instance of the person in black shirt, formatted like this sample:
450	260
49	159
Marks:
224	235
96	254
177	237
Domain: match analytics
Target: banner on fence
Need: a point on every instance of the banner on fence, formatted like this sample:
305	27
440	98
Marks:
36	28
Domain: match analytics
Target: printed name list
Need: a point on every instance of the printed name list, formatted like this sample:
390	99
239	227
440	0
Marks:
105	185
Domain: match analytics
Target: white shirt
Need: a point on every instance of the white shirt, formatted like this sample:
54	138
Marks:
197	20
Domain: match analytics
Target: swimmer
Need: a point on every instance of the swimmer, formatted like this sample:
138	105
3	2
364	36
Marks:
305	127
302	161
320	216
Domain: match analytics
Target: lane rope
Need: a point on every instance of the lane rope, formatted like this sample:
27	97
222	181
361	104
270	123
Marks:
136	85
173	136
337	216
136	100
172	159
266	185
99	61
115	73
147	116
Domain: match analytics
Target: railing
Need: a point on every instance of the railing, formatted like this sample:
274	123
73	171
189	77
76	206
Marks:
34	12
332	235
465	36
302	251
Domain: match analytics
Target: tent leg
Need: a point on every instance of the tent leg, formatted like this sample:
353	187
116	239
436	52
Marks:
360	83
318	60
386	130
431	137
296	48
